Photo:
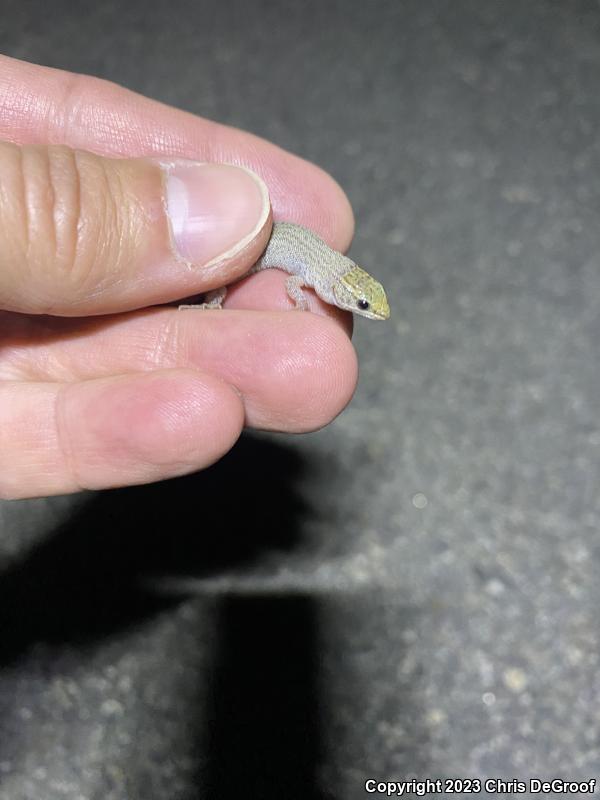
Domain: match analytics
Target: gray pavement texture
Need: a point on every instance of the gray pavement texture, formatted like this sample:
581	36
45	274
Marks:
414	591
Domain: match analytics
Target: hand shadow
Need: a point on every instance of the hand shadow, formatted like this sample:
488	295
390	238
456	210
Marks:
89	578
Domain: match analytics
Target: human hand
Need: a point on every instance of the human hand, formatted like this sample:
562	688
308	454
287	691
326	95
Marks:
99	387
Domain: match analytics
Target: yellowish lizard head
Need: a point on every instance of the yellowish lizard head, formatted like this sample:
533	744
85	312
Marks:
359	292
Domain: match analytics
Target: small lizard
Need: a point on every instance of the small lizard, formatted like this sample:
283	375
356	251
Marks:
334	277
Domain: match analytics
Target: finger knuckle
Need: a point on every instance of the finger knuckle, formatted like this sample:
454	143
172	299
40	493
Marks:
60	209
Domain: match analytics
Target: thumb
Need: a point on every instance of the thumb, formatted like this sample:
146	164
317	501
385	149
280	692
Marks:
82	234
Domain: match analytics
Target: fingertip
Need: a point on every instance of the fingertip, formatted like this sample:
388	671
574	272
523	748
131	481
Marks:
329	382
147	427
116	431
296	370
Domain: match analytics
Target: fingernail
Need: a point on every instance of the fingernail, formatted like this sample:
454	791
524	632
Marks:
214	210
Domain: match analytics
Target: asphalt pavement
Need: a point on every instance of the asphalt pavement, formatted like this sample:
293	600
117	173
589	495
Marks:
411	592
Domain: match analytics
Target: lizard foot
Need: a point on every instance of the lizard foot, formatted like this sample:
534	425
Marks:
213	299
294	286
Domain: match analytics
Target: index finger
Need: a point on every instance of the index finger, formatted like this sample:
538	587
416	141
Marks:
41	105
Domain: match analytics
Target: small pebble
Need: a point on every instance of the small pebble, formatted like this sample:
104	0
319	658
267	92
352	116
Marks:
419	500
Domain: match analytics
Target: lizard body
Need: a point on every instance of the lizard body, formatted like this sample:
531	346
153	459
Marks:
310	262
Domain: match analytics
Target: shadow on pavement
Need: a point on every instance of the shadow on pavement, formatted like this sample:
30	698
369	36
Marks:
264	732
90	577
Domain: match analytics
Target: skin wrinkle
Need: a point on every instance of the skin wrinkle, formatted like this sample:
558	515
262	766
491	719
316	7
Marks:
63	444
49	182
110	234
72	235
57	211
167	342
24	205
64	169
62	113
138	215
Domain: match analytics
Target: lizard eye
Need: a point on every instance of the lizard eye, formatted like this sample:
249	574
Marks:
363	304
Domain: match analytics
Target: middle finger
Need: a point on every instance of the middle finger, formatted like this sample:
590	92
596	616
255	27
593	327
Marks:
294	370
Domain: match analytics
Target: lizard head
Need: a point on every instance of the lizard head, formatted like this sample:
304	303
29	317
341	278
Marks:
359	292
